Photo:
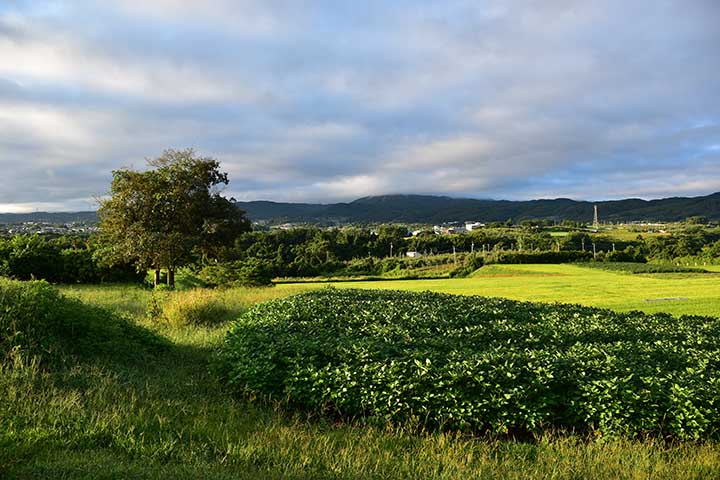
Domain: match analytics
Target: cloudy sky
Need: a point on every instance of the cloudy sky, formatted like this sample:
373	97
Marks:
332	100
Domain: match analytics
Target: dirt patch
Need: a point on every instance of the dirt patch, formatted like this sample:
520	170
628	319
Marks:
667	299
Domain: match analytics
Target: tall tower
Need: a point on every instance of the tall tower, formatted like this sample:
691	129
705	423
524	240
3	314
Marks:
596	222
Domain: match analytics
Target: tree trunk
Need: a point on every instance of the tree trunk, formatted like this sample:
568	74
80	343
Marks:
157	277
171	278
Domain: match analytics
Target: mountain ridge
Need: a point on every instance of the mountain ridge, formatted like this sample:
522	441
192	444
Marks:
437	209
410	208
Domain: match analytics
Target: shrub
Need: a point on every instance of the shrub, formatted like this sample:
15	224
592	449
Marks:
630	254
191	307
362	266
631	267
26	257
187	279
248	273
479	363
36	320
30	256
564	256
469	265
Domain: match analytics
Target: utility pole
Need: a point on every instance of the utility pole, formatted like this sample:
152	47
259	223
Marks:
583	243
472	247
391	247
594	252
454	257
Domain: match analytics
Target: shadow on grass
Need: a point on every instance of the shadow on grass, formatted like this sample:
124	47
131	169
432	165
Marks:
156	411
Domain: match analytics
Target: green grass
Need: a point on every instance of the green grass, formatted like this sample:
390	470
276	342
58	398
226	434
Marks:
169	417
625	235
573	284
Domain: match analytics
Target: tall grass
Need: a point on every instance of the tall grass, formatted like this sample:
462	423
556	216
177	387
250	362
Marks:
170	418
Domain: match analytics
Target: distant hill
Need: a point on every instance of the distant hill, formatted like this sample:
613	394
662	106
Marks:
436	209
49	217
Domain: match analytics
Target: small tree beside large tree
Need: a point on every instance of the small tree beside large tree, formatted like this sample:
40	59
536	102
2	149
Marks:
169	215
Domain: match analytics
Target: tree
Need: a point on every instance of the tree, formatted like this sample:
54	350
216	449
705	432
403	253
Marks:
168	215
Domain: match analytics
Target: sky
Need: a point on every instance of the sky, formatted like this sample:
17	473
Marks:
332	100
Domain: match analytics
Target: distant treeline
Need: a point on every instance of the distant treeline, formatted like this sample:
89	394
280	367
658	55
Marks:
258	256
62	260
307	252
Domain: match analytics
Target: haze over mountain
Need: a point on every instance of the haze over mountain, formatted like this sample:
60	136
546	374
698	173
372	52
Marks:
49	217
431	209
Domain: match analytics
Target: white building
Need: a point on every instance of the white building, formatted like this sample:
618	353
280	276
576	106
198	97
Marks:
470	226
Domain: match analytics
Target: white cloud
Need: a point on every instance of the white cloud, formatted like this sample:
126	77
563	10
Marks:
241	16
333	100
40	56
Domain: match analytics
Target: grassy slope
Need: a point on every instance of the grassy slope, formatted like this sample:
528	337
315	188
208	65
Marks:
571	284
170	418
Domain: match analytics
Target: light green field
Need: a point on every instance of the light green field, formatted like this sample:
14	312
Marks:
690	294
699	293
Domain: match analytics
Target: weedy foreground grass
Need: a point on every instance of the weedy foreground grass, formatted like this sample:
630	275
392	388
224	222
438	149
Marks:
166	416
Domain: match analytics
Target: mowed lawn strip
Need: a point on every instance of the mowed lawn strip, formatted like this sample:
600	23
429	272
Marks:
569	284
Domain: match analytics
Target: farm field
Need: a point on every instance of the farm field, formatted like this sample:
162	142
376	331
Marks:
479	364
676	293
169	415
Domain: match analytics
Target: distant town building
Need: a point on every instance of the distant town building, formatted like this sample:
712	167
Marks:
448	230
470	226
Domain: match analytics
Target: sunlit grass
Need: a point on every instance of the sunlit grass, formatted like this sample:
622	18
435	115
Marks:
699	293
169	418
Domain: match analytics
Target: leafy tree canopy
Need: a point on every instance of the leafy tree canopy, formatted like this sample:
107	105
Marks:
170	214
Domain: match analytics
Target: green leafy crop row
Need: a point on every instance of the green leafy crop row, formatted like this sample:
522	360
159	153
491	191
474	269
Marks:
475	363
630	267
